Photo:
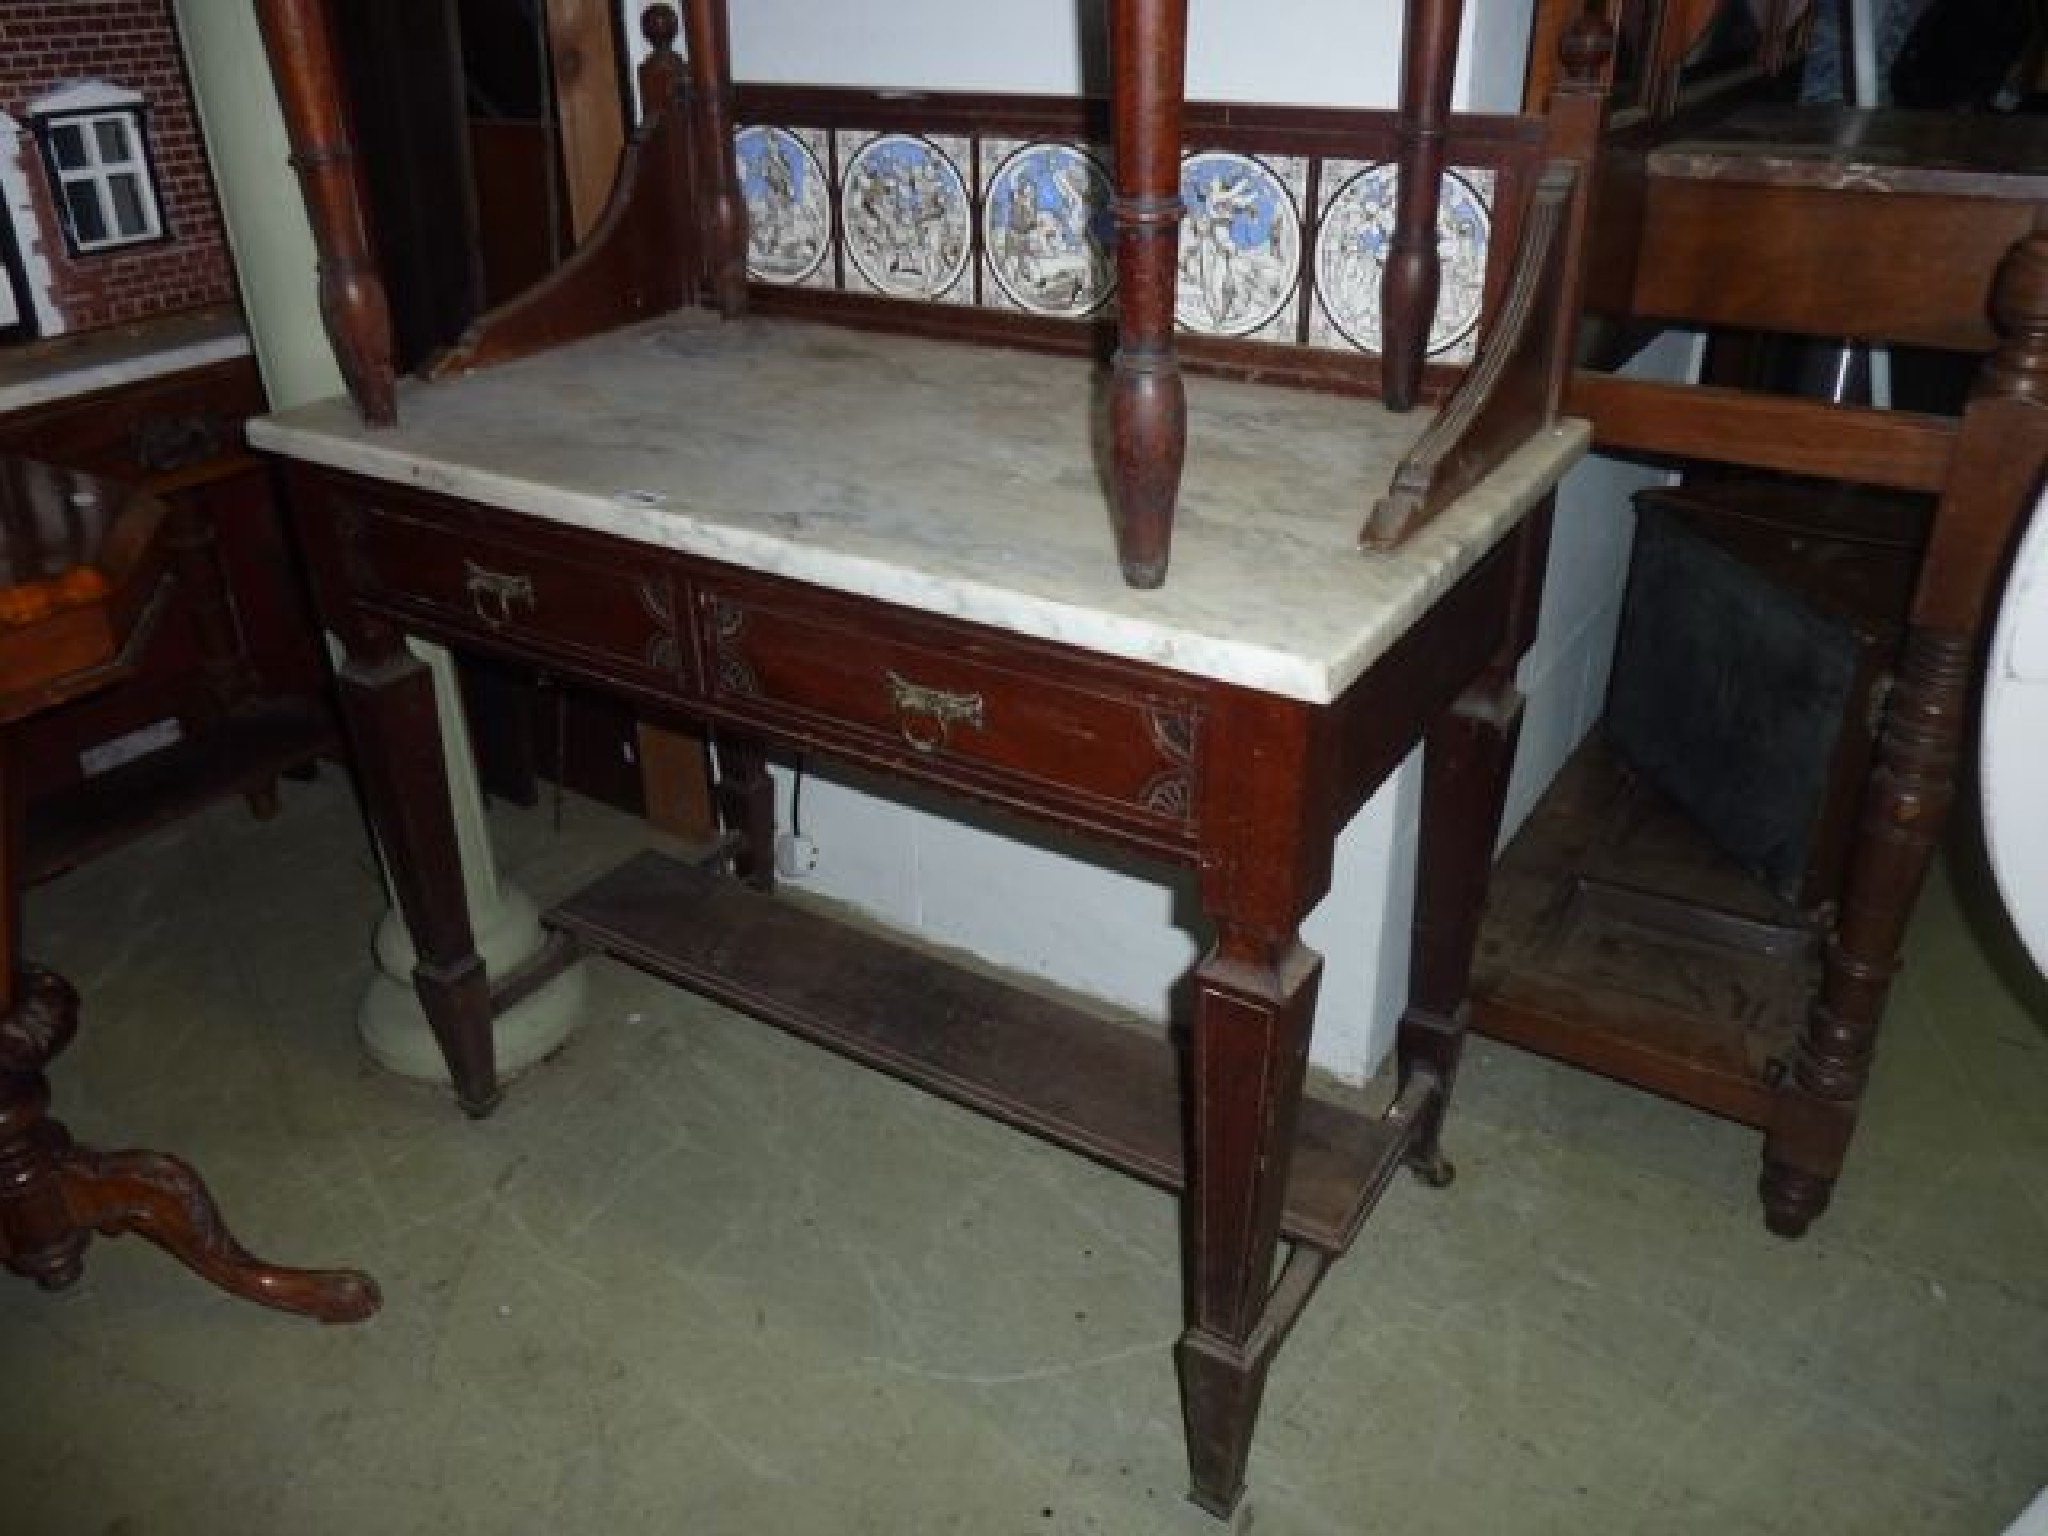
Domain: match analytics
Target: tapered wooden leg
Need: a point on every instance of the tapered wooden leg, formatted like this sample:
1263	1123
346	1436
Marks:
1248	1054
387	700
1466	759
1468	753
746	804
55	1194
1267	829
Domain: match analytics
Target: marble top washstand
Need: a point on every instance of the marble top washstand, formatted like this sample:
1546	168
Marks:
957	480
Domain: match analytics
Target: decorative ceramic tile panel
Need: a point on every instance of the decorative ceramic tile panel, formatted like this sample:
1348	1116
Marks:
905	216
789	205
1354	226
1047	233
1240	246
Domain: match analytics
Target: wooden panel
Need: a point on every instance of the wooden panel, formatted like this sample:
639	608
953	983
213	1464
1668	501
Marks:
1899	450
1616	939
583	53
524	593
1824	262
952	697
1043	1066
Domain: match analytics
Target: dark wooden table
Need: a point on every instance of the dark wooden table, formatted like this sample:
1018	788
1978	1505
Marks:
83	578
877	630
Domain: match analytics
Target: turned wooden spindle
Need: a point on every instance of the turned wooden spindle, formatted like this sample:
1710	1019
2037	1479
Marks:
2001	452
305	62
1148	399
722	215
1414	271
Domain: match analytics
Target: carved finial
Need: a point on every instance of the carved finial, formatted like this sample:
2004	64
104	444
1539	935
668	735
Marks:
659	25
1587	51
2019	308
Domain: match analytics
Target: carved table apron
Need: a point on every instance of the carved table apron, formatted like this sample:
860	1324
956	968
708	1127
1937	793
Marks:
862	605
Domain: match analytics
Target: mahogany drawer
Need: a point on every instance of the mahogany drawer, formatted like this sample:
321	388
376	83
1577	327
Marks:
554	598
956	705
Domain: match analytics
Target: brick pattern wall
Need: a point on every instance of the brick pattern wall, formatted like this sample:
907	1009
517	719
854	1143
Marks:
133	44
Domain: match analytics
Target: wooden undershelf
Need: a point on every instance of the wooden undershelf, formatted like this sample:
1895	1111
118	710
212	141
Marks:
1106	1091
1617	939
242	752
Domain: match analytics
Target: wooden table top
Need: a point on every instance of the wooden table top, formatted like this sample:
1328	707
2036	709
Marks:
1928	154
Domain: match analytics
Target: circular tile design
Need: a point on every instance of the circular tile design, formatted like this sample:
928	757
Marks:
1240	245
1048	230
789	206
1351	253
905	215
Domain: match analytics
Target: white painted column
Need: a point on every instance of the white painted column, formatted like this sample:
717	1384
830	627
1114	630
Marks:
275	263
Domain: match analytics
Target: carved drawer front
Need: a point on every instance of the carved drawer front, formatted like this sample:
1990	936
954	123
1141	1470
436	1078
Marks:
522	591
956	703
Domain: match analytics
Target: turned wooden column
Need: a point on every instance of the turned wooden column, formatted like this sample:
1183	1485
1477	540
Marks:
1414	270
305	62
1148	400
1265	864
1999	457
722	216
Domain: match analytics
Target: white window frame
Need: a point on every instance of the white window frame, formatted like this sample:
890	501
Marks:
99	173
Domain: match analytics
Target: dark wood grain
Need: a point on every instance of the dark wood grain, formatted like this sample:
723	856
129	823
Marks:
1408	287
298	35
1109	1092
1147	399
639	260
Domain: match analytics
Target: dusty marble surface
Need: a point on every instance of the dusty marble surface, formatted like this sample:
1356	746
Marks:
957	480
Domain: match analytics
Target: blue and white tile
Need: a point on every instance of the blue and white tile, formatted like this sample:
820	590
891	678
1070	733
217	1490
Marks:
1241	245
1354	226
1048	233
788	193
906	217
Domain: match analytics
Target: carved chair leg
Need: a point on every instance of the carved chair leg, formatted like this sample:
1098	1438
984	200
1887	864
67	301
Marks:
1904	812
159	1197
54	1194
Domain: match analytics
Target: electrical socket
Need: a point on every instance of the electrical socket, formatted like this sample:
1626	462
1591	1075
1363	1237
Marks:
795	857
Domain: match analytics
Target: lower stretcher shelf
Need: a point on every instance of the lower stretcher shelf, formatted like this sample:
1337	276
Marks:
1617	939
1057	1071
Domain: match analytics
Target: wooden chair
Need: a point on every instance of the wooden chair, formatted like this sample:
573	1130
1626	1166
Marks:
1885	227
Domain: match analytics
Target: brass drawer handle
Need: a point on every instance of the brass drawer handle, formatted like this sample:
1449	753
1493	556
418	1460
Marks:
494	594
927	715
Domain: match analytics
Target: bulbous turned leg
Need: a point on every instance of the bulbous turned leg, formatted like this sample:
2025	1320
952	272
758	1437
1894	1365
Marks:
38	1239
54	1194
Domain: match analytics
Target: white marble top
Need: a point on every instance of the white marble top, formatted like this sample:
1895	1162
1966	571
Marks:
953	479
68	366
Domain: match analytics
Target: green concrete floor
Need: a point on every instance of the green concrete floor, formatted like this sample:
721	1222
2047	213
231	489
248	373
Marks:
697	1277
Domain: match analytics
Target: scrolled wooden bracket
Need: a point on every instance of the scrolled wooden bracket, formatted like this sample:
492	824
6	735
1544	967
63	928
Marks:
1508	394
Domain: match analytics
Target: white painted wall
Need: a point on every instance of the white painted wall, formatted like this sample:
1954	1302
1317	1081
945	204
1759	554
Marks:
260	204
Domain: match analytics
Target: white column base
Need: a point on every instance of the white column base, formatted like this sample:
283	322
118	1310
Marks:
502	918
394	1028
